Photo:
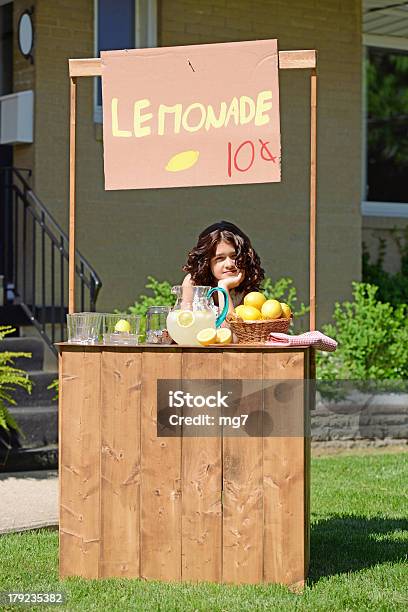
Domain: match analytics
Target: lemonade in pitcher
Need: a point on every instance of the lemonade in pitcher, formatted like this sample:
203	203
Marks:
193	313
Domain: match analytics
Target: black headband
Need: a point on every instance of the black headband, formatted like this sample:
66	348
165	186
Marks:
223	225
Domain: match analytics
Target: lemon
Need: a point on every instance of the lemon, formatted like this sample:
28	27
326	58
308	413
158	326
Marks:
185	318
207	336
238	309
286	311
255	299
249	313
224	335
122	326
271	309
182	161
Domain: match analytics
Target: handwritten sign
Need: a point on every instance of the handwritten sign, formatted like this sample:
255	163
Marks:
193	115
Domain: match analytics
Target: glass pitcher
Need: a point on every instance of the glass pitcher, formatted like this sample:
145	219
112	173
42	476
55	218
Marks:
192	312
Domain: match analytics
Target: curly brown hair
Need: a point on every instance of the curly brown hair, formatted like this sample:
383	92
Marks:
199	258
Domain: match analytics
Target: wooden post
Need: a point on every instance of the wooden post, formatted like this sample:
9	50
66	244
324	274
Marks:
72	134
313	196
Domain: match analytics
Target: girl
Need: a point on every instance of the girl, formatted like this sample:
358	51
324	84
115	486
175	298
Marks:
224	257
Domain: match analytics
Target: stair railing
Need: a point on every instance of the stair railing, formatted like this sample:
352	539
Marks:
36	261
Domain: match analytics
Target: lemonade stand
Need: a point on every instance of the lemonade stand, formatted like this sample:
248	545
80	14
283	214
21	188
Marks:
187	461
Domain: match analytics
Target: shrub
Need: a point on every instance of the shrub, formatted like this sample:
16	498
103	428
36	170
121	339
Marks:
372	337
10	378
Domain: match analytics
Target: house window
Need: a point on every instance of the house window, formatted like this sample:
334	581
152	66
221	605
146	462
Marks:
386	130
122	24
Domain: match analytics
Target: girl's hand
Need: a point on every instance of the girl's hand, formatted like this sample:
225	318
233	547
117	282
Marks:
230	282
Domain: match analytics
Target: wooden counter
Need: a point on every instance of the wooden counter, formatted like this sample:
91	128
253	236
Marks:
220	509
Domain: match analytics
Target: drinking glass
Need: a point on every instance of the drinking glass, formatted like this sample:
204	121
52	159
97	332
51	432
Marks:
84	327
156	327
121	328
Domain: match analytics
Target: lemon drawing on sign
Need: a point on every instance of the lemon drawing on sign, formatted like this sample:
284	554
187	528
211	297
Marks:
185	318
182	161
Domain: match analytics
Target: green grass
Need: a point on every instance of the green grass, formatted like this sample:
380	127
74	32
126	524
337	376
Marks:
358	554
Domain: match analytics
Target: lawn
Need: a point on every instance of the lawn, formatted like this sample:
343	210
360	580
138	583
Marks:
359	548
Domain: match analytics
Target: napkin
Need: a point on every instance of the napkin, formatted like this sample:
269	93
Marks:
312	338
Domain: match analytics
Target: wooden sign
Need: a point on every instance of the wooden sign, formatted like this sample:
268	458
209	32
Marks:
191	115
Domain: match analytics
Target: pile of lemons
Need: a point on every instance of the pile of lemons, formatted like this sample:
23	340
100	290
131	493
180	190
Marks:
256	307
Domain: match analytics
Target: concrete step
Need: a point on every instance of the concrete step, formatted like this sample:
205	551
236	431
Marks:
40	395
39	425
22	459
35	346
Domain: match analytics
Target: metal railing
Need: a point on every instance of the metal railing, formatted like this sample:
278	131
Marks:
35	260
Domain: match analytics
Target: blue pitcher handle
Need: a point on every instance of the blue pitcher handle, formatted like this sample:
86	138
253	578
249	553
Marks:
221	318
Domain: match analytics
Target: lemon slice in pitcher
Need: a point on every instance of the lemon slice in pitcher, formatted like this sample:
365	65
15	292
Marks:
185	318
207	336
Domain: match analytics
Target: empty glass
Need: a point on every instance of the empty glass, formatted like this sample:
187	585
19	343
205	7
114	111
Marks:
156	327
84	327
121	328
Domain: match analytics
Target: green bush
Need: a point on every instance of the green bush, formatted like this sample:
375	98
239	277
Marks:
10	378
161	295
372	339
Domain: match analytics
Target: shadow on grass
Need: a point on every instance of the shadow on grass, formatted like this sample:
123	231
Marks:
348	543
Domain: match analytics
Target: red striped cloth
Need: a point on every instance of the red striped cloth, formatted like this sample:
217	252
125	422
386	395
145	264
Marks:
312	338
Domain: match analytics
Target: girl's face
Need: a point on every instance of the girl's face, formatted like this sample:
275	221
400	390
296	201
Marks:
223	261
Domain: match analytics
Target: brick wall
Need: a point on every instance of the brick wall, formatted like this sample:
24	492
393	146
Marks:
128	235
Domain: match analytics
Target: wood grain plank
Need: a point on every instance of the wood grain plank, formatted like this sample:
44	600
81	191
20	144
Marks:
313	199
79	463
310	376
201	485
284	479
243	483
72	193
85	67
120	463
287	59
160	476
297	59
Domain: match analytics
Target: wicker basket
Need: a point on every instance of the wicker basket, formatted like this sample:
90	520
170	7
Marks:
256	332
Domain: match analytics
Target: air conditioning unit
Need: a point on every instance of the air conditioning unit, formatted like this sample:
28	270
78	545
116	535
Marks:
17	118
